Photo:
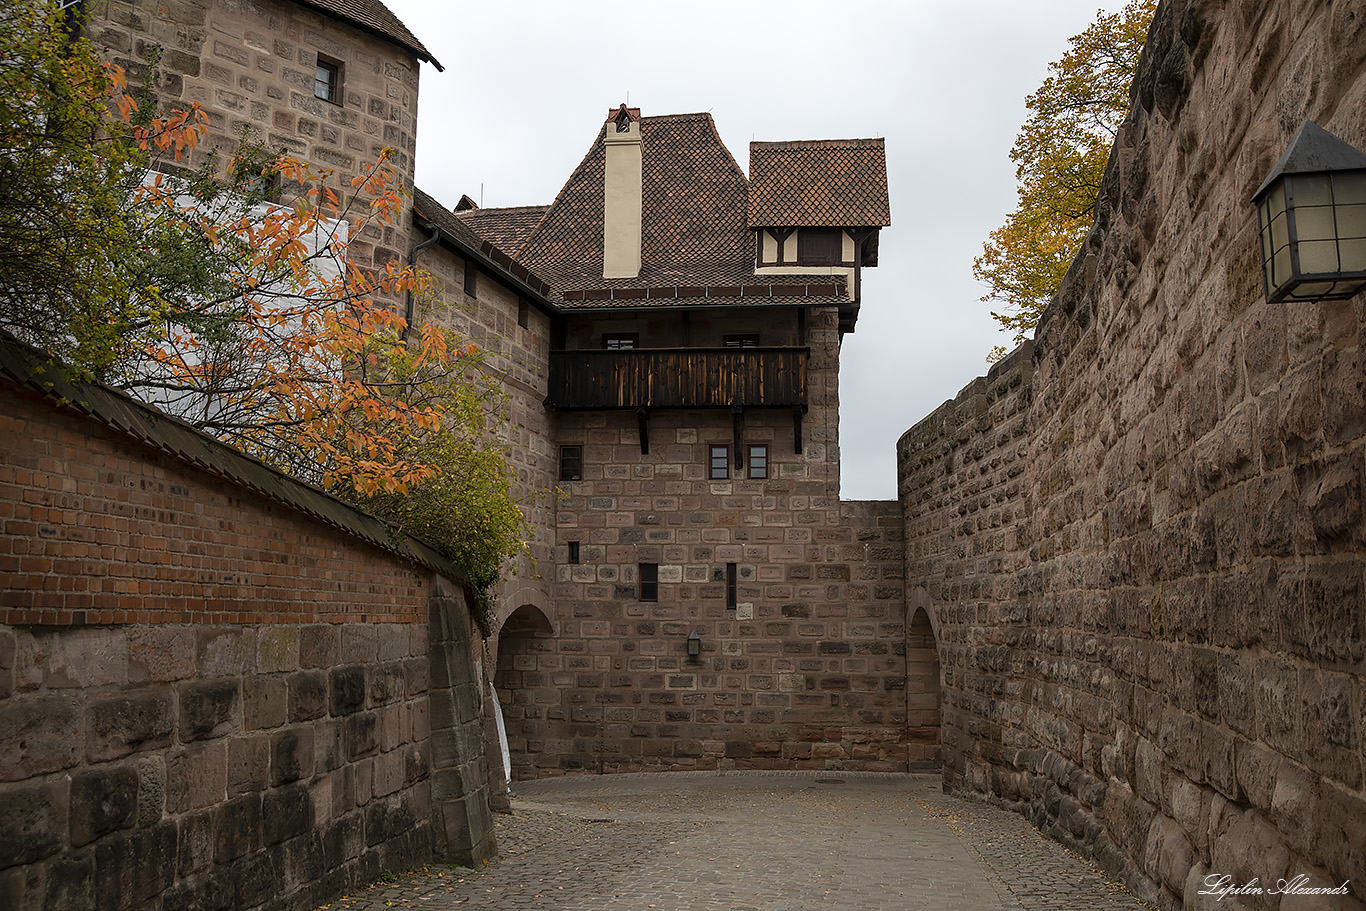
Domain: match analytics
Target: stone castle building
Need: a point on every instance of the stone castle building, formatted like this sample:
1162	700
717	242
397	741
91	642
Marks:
1125	566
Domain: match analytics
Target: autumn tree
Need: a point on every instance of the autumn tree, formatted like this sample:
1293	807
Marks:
1060	156
236	305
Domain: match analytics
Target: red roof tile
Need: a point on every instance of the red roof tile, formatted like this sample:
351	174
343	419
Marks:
506	228
836	183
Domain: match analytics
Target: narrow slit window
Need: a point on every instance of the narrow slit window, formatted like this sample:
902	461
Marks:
571	463
718	466
523	312
649	581
574	552
471	278
730	585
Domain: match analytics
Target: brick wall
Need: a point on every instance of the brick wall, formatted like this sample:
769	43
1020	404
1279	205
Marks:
207	696
1141	541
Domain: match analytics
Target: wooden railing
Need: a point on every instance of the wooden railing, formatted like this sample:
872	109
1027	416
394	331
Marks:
678	378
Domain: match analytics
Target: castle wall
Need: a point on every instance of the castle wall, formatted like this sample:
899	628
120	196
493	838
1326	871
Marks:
1140	539
207	697
806	671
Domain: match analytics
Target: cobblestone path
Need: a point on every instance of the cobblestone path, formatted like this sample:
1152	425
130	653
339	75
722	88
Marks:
755	842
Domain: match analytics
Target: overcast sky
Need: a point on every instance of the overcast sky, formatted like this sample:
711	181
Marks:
528	84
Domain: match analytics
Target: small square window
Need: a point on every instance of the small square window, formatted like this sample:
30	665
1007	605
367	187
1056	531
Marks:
718	465
758	461
621	341
574	552
730	585
327	80
741	341
649	581
571	463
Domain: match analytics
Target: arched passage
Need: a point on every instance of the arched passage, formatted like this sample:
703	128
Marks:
526	656
923	753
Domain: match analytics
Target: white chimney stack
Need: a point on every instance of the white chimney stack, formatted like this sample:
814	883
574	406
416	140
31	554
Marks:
621	195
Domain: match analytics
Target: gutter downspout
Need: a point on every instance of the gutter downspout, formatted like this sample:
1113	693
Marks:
412	261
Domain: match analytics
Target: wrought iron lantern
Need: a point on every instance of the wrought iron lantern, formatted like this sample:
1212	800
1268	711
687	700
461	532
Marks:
1311	214
694	645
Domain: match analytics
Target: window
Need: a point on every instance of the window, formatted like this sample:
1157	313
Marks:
718	466
820	247
758	461
730	585
73	17
327	80
574	552
649	581
523	312
471	278
571	463
741	341
621	341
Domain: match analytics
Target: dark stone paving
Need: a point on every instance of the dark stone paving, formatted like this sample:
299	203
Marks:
756	841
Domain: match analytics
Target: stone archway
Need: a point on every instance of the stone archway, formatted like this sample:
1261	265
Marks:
526	657
923	751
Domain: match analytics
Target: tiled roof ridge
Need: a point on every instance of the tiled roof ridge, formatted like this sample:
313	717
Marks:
868	143
490	209
696	115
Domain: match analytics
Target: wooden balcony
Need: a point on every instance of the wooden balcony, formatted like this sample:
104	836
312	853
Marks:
678	378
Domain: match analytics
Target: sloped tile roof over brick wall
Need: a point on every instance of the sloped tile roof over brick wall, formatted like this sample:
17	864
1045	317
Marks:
835	183
373	16
506	228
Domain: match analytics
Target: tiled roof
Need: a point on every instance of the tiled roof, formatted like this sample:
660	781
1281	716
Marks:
373	16
693	229
438	216
506	228
818	183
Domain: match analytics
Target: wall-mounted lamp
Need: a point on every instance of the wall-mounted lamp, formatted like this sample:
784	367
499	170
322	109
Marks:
694	645
1311	212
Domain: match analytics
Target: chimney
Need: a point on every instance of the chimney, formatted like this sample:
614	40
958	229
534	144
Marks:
621	195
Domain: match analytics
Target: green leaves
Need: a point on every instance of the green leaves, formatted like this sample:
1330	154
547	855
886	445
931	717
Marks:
1060	156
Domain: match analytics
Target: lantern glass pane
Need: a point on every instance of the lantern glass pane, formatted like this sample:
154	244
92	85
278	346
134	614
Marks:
1318	257
1280	267
1310	291
1314	223
1279	235
1275	200
1311	190
1351	221
1349	187
1353	253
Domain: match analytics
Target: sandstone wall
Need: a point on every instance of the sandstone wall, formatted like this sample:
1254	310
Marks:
208	697
250	65
1141	542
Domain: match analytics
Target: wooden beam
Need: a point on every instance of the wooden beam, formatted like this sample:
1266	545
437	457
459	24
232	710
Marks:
643	422
737	420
